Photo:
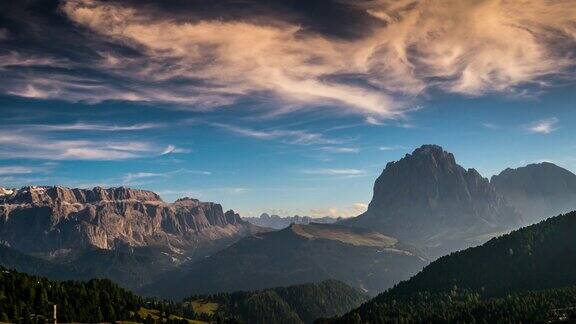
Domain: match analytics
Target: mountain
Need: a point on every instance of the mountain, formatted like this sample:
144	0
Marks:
294	304
278	222
123	234
361	258
537	260
538	190
428	200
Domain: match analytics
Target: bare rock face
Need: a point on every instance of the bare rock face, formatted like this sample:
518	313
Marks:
47	220
428	200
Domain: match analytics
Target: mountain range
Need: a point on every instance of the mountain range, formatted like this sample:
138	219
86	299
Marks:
424	206
279	222
123	234
427	200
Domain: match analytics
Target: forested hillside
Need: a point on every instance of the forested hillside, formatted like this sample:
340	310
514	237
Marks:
494	278
294	304
24	297
545	306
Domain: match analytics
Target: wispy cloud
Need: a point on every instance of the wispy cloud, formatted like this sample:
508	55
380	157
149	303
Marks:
299	137
172	149
38	146
490	125
130	178
392	148
93	127
373	121
19	170
457	46
340	172
544	126
340	149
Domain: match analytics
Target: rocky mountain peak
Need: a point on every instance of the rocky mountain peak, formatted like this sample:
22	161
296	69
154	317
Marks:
426	197
430	149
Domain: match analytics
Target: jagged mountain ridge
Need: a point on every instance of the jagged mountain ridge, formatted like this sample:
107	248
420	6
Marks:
51	219
428	200
78	226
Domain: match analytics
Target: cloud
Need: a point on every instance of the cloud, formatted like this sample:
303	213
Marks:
14	145
544	126
171	149
360	207
343	172
12	170
299	137
490	126
467	47
392	148
373	121
337	149
350	211
394	53
129	178
94	127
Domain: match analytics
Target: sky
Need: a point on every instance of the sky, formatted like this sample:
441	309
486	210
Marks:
279	106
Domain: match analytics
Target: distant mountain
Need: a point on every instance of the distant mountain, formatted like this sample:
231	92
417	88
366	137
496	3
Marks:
534	258
538	191
428	200
361	258
294	304
123	234
278	222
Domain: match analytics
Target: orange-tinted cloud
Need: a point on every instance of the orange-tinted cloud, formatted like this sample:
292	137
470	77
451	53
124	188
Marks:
460	46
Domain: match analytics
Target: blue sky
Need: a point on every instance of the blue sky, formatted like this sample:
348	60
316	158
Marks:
276	120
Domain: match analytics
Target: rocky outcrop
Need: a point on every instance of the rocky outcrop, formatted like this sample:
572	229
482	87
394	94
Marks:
538	191
47	220
427	199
